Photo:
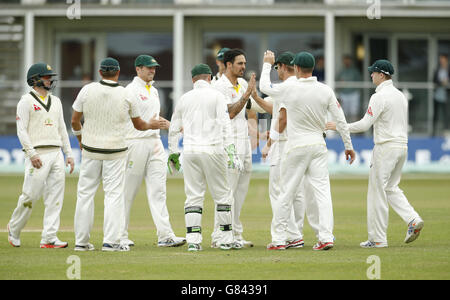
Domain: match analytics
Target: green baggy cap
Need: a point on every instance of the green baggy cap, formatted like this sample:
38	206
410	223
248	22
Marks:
200	69
221	53
285	58
109	64
382	66
304	60
145	61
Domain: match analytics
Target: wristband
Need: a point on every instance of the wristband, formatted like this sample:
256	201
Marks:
274	135
77	132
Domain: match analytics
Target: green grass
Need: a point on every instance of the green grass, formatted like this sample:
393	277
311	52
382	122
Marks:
426	258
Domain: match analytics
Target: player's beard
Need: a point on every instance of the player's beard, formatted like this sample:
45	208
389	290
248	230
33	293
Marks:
240	73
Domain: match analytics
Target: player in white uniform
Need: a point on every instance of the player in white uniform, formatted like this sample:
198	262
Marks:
202	115
146	158
107	109
273	151
237	92
307	103
220	65
42	133
388	113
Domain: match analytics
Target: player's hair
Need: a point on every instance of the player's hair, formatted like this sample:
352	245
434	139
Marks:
290	68
307	70
109	74
230	55
201	77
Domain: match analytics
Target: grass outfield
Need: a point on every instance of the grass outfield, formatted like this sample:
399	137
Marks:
426	258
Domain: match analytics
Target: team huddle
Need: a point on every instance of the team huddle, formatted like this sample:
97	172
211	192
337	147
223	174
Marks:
118	129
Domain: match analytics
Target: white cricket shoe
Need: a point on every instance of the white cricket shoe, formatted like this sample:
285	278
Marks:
244	243
297	243
194	247
414	228
370	244
172	242
115	247
88	247
237	245
127	242
319	246
15	242
54	244
225	246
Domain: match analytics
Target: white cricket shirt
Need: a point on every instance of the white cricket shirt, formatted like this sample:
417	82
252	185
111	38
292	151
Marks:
239	124
107	108
307	103
203	115
40	124
388	113
147	98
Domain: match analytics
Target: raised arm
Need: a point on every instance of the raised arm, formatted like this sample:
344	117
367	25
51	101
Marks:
235	108
259	104
265	85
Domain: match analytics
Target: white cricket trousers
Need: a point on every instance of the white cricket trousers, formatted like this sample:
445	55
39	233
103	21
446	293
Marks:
200	170
301	205
147	160
47	181
384	178
239	183
112	174
308	163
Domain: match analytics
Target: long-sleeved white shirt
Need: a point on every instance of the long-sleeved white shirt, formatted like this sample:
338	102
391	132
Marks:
307	103
239	124
388	113
40	123
203	115
147	100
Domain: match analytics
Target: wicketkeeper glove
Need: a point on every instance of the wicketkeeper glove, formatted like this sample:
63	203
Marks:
234	162
174	160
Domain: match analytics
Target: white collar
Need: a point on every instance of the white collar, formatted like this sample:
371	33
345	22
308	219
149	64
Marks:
311	78
109	81
383	84
141	82
227	81
291	78
39	95
201	84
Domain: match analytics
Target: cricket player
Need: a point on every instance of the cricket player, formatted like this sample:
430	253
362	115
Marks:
306	103
107	108
220	65
42	132
146	158
237	92
274	149
388	113
202	115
